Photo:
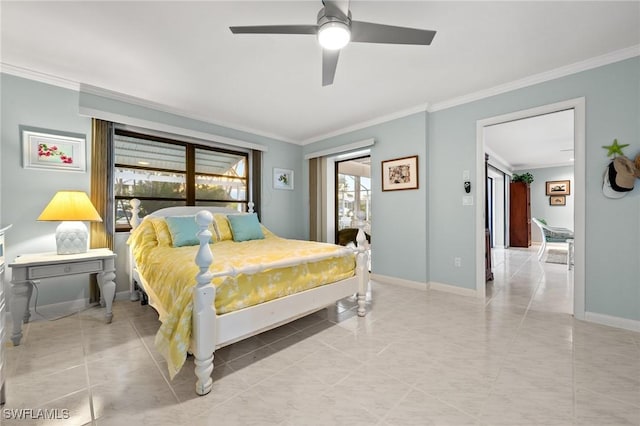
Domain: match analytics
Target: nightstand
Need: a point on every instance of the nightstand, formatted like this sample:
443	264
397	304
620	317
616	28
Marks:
34	267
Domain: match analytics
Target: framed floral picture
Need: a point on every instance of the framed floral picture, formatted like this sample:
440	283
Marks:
282	179
400	173
53	150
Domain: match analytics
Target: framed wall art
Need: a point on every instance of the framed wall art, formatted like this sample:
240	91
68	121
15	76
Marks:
282	179
558	200
400	173
53	150
558	187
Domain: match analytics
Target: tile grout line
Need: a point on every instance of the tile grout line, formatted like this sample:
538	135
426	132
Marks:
86	369
517	331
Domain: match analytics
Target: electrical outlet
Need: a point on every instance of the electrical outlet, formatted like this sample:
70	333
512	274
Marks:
457	262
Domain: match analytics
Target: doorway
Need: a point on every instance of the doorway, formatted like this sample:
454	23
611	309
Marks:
353	195
578	106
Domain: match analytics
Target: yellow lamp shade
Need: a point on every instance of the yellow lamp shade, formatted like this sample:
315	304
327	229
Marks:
72	208
70	205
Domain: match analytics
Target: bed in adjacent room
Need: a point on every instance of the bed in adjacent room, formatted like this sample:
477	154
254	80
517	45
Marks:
217	276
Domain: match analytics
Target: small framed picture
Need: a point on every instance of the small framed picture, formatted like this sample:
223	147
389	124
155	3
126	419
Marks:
282	179
558	187
558	200
400	173
53	150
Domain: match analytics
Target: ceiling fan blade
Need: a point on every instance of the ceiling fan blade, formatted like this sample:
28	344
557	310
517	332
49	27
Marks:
337	8
276	29
367	32
329	64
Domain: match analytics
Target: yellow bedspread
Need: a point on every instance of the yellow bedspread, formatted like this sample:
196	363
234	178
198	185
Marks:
169	276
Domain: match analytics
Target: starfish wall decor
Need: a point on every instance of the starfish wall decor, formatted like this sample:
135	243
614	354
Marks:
615	149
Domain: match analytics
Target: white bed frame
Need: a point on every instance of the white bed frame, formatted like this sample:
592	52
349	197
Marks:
211	331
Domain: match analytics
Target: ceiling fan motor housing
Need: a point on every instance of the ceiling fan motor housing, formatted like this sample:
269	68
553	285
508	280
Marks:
334	32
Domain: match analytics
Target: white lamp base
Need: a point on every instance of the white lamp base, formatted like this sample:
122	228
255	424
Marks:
72	237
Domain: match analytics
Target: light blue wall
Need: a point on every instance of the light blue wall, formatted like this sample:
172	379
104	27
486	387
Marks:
561	216
25	192
277	212
399	218
612	96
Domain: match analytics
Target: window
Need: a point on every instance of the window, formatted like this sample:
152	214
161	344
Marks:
162	173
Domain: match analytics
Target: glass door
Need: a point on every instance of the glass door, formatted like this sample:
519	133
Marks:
353	195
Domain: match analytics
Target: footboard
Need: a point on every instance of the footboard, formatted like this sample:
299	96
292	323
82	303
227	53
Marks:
211	331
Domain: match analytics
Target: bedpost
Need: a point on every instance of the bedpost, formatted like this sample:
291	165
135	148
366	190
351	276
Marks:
362	266
204	316
250	207
135	221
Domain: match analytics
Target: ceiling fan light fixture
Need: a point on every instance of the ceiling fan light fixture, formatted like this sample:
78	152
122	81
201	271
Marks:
334	35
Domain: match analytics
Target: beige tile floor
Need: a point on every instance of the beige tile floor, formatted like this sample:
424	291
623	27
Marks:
418	358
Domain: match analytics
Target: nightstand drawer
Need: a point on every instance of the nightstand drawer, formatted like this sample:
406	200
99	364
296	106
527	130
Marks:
37	272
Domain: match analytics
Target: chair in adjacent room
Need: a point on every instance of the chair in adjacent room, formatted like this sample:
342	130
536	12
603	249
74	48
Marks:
552	234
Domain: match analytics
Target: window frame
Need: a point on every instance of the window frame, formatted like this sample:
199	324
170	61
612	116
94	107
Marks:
189	172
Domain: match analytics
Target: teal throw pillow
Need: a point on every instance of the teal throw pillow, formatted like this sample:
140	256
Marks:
183	230
245	227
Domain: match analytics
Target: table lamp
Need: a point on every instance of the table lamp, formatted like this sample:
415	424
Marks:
71	207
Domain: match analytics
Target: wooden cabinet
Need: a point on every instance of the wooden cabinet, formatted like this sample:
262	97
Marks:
519	215
3	325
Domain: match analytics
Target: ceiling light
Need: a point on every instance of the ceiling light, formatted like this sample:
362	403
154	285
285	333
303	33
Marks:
334	35
143	163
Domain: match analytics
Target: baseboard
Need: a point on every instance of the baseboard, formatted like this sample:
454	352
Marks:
461	291
625	323
416	285
68	306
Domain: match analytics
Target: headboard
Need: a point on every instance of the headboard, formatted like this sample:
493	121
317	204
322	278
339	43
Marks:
178	211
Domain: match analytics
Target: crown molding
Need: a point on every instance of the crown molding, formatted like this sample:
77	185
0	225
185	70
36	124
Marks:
368	123
118	96
598	61
110	94
39	76
520	167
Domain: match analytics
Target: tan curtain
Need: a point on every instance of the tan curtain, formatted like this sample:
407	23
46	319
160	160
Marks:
317	207
102	183
101	233
256	181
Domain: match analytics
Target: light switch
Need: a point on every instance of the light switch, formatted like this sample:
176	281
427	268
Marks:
467	200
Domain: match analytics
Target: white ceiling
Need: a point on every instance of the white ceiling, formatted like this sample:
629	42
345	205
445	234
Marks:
540	141
181	55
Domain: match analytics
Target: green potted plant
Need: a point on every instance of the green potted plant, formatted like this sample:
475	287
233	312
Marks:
524	177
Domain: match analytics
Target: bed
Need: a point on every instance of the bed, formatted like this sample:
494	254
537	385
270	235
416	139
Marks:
215	291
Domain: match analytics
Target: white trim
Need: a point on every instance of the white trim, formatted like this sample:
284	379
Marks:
498	158
545	166
578	105
39	76
364	124
110	94
453	289
340	149
131	121
416	285
618	322
598	61
68	307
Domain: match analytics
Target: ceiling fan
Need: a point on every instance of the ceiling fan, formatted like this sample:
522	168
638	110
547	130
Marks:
335	29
